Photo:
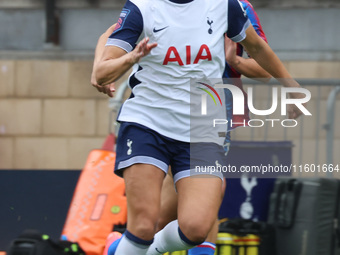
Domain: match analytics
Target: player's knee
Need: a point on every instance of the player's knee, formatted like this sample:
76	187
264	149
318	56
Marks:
145	222
145	227
195	231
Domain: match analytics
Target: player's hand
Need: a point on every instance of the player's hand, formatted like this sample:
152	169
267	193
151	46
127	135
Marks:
142	49
106	89
230	48
293	111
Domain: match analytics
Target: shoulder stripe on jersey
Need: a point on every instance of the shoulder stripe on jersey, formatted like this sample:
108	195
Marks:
119	43
242	35
237	20
130	27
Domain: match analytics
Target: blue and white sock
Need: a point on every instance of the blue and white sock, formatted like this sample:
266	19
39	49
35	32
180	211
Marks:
205	248
113	247
170	239
132	245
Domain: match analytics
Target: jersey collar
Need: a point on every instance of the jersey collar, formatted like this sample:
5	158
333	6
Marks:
181	1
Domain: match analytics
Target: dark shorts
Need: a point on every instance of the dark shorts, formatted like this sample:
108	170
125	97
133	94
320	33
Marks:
137	144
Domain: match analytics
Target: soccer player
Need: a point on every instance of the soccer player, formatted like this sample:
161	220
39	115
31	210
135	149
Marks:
187	42
236	66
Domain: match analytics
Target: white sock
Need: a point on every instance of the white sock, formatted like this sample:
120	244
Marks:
170	239
132	245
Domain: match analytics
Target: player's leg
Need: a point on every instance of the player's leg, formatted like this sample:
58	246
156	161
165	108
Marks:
195	195
168	211
143	187
143	162
209	245
198	205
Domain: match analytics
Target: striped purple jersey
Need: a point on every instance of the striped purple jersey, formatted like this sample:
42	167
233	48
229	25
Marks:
230	72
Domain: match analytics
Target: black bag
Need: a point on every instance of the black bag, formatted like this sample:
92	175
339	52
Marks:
283	202
32	242
305	213
242	228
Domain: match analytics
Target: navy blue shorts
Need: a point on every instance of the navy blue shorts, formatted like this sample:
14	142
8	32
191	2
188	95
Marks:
137	144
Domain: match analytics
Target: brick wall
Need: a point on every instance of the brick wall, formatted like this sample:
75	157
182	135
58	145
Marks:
50	115
63	3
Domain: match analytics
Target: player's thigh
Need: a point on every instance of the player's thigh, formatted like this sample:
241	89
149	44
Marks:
199	200
143	183
168	211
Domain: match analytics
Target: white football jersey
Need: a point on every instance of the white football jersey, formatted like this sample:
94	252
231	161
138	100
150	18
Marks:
190	38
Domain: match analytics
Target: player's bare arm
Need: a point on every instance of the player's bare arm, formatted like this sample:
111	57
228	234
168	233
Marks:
115	61
101	46
110	88
264	55
246	66
268	60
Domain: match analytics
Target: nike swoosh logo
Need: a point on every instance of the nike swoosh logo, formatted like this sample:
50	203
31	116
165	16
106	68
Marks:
158	251
157	30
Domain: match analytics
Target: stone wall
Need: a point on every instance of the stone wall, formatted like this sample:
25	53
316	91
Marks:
50	115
